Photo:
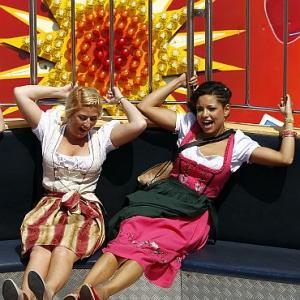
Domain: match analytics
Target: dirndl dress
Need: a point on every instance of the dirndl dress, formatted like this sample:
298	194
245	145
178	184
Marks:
69	220
160	244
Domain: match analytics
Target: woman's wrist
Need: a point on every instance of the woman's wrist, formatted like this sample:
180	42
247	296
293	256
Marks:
289	122
120	99
289	133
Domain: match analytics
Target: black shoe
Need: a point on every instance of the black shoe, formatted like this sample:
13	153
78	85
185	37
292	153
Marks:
10	291
36	284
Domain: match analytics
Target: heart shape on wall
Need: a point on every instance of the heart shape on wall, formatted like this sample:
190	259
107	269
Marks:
274	10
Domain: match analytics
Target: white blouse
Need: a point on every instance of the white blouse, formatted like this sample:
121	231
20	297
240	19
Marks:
242	149
62	172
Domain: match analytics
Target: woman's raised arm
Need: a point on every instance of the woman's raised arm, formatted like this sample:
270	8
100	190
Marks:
27	95
125	133
150	106
285	156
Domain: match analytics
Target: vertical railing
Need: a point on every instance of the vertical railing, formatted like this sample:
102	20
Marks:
33	41
208	39
73	42
150	39
190	44
247	83
111	44
285	48
191	13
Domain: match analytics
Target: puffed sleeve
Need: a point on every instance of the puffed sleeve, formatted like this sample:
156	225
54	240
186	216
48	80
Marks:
104	135
243	148
183	124
48	120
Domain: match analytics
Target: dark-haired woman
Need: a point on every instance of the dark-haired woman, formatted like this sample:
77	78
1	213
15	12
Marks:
155	243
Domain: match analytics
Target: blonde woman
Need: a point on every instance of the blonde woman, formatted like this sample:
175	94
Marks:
67	223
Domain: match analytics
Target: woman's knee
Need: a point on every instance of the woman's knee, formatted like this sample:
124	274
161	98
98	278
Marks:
40	252
64	253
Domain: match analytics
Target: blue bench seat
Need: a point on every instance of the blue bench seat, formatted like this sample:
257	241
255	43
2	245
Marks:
246	260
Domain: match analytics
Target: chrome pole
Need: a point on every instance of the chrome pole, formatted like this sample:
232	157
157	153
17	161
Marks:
33	41
190	45
285	48
150	38
247	84
73	43
111	44
208	40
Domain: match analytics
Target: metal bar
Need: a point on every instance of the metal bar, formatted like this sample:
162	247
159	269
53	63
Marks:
150	39
208	39
73	42
285	48
190	45
111	45
250	107
294	33
247	83
33	41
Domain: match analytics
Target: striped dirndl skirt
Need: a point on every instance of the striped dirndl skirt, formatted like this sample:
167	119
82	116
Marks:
74	223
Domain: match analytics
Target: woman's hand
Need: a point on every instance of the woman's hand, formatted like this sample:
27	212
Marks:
114	96
66	90
183	80
286	107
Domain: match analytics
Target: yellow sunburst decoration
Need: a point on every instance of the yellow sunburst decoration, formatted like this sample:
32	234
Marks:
131	44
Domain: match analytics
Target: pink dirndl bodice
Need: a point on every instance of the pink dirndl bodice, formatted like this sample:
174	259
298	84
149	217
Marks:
160	244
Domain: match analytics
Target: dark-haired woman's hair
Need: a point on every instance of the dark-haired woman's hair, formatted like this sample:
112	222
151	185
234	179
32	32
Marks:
215	88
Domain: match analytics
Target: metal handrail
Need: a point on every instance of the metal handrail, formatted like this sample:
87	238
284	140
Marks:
33	41
285	48
247	80
73	42
208	40
111	44
190	45
190	50
180	102
150	40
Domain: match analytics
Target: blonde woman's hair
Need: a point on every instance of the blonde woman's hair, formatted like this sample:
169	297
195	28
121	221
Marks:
82	97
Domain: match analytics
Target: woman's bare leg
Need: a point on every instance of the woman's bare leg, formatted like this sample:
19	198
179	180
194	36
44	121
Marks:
39	261
103	269
126	275
60	268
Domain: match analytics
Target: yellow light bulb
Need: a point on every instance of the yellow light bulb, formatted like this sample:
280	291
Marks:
175	17
158	26
47	49
142	94
60	13
49	38
162	67
175	53
143	10
164	57
58	44
163	17
59	66
57	55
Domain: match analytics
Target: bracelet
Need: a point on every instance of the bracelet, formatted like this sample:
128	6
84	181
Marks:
289	120
119	100
289	133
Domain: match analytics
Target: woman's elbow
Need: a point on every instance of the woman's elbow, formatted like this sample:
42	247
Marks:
142	107
286	161
17	92
141	125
